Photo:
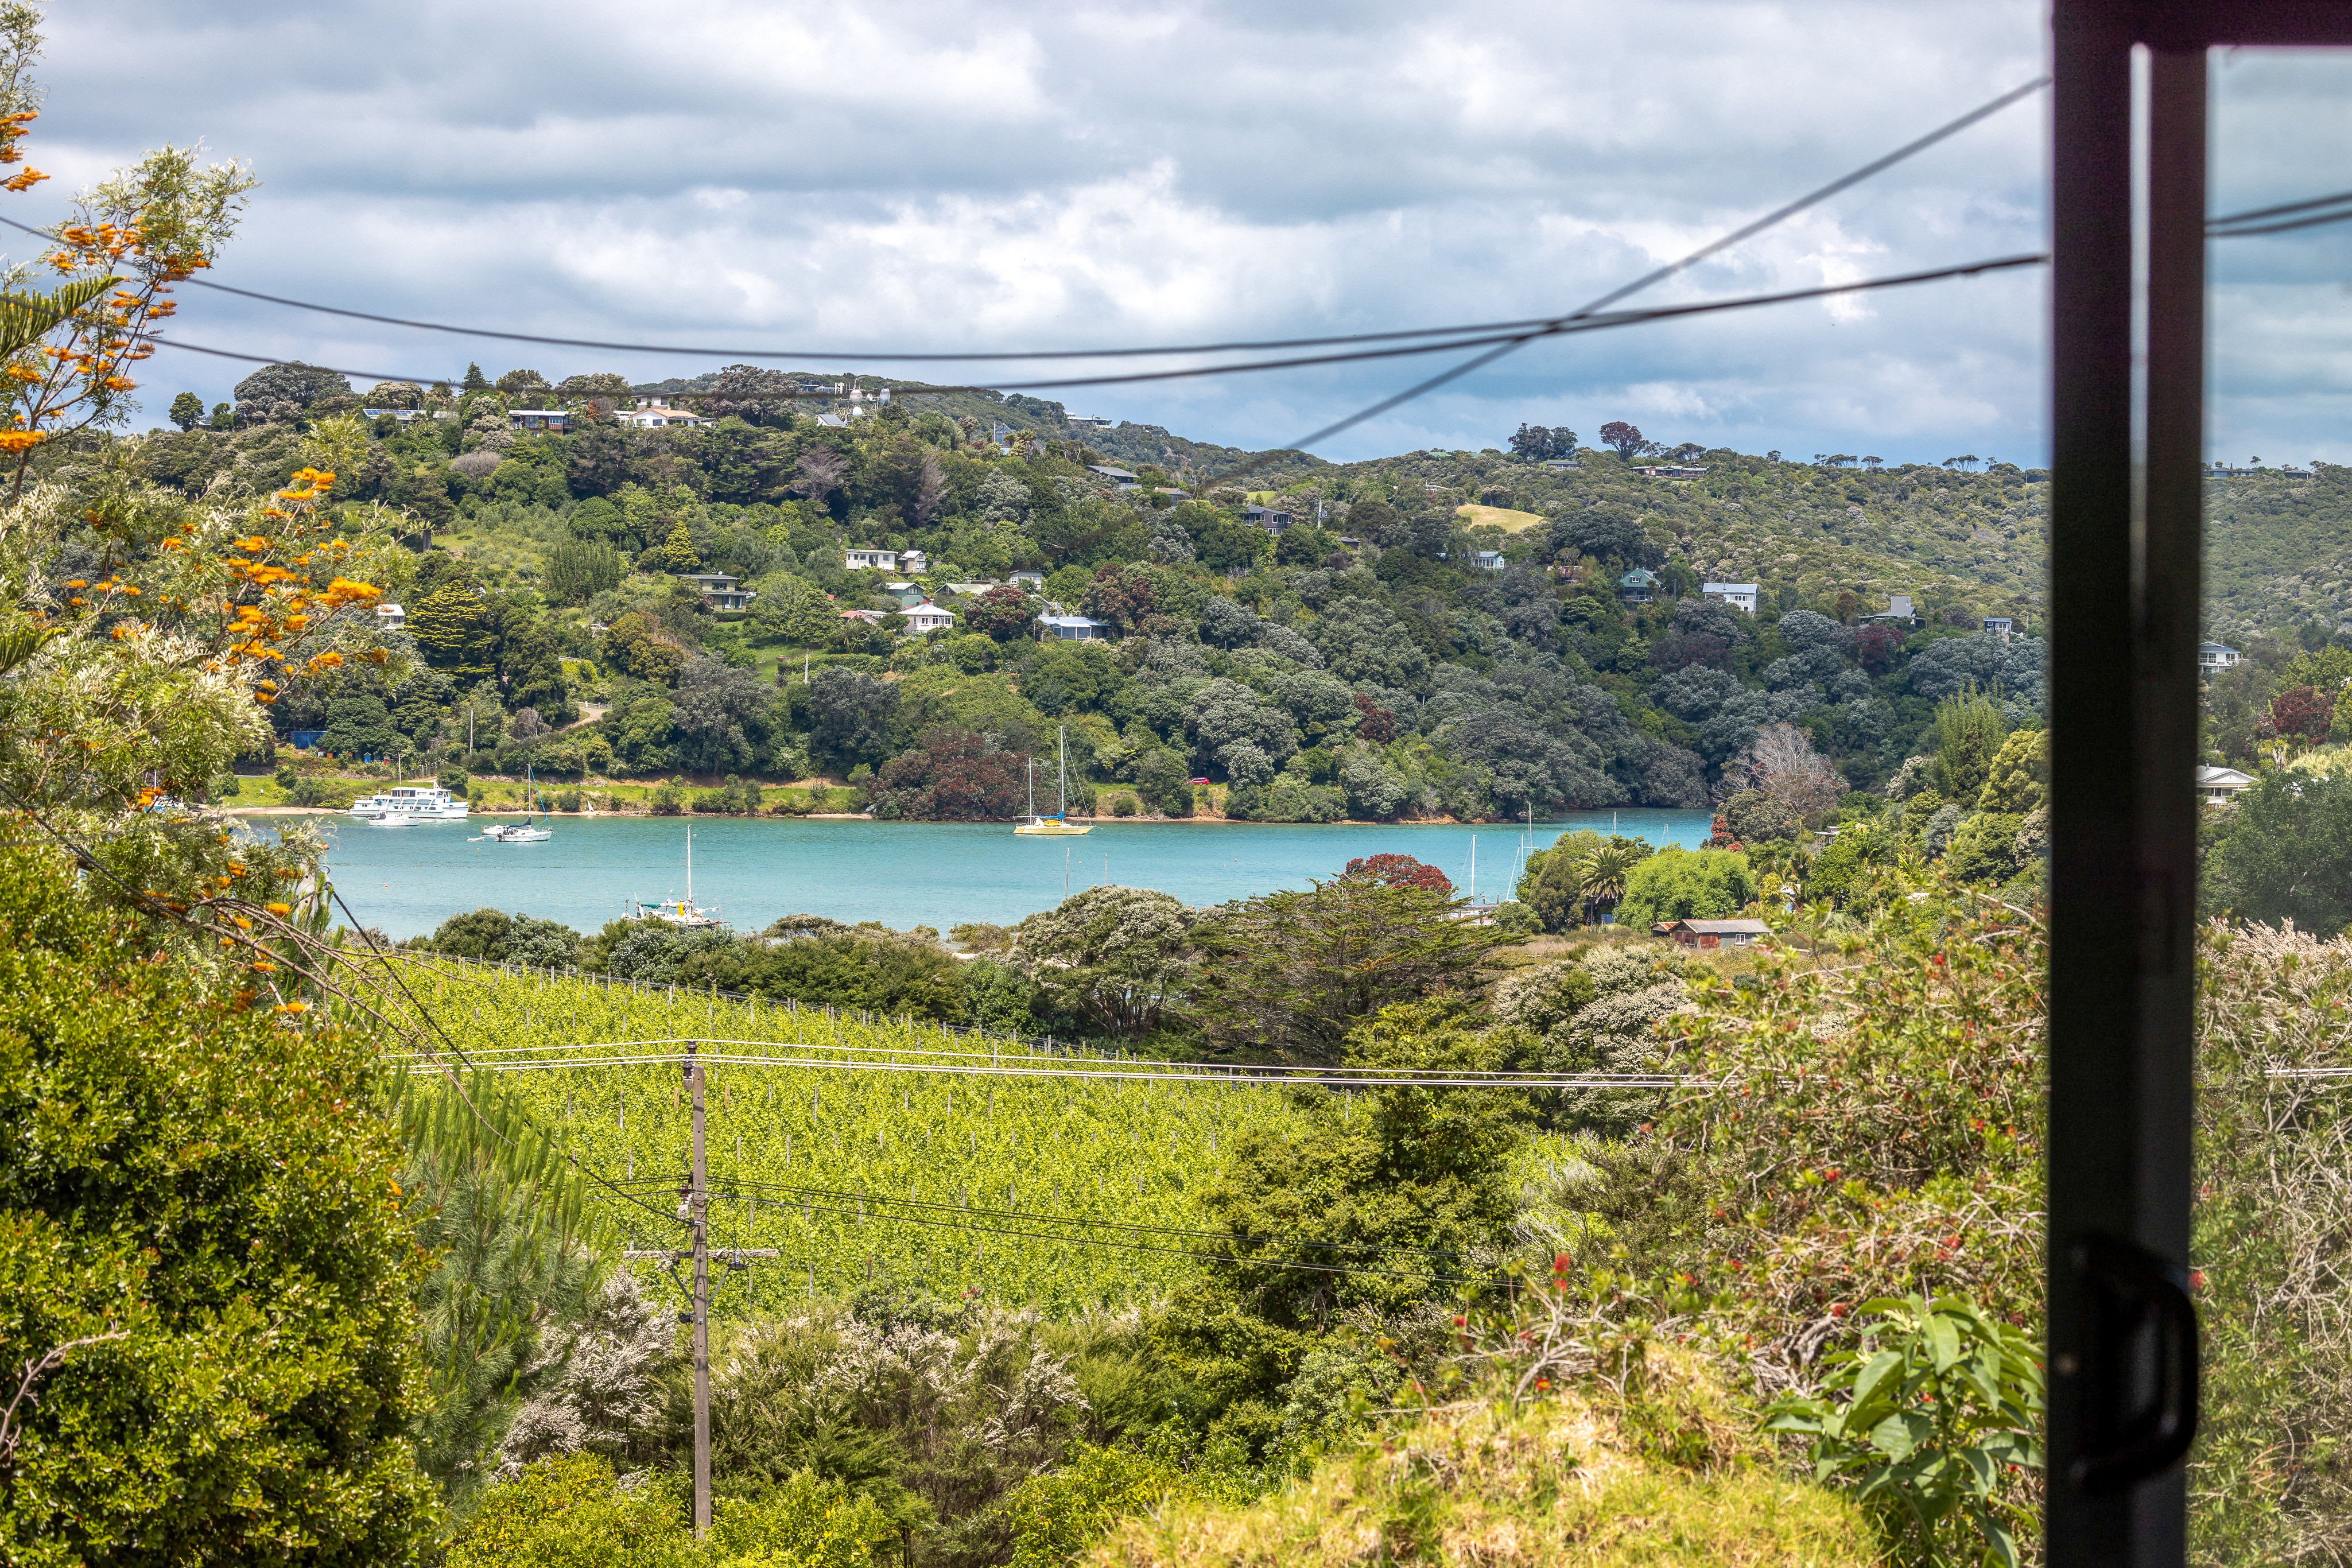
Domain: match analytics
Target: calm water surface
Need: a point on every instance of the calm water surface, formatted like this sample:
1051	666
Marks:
408	880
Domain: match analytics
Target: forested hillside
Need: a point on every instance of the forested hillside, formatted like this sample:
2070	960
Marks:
1404	659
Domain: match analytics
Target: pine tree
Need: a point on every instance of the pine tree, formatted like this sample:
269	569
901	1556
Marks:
474	380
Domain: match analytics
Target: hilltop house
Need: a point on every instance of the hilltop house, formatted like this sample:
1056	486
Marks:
1738	595
1898	613
1097	421
718	589
2213	656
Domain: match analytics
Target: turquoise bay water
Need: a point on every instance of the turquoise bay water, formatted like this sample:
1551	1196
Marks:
408	880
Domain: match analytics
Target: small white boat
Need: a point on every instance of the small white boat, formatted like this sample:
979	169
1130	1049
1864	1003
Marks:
524	832
388	821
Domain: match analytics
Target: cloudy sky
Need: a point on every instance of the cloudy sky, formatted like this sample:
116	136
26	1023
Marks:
847	179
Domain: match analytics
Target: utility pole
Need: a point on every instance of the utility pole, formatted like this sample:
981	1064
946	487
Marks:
698	1213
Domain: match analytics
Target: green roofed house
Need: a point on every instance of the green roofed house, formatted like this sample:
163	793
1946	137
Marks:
1637	586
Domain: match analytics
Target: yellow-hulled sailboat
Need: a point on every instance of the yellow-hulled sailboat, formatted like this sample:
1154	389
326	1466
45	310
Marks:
1057	825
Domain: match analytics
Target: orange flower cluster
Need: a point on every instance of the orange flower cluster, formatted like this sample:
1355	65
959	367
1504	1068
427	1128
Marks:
286	597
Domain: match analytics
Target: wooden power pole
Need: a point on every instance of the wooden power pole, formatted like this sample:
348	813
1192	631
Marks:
696	1213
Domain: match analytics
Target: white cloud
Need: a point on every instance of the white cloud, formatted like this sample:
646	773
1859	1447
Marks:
980	175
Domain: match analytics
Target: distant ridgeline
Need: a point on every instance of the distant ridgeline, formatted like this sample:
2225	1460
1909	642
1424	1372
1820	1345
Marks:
917	594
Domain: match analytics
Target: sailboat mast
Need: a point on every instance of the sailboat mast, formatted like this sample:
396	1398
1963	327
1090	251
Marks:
1062	760
689	866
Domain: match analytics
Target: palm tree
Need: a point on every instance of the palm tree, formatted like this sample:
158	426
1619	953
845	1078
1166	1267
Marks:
1603	874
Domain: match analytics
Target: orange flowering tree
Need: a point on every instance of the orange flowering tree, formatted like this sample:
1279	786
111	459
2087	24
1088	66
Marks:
141	680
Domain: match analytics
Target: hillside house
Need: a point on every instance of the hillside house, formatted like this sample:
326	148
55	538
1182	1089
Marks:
718	589
2213	656
1119	477
2219	786
1034	580
658	418
913	562
1074	629
1094	421
2001	627
391	619
870	560
1562	465
969	589
554	421
1713	933
1267	518
1898	614
925	617
1488	560
1671	471
1638	586
1741	597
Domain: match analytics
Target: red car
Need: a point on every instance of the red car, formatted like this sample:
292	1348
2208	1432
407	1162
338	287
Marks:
1196	781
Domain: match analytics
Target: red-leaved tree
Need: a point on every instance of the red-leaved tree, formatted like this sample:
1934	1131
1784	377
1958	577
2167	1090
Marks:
2303	710
949	776
1401	871
1875	645
1374	724
1004	613
1627	439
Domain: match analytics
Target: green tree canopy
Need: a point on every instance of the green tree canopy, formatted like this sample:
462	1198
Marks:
2019	779
1678	884
212	1183
1970	733
1291	973
2282	851
1118	958
1418	1194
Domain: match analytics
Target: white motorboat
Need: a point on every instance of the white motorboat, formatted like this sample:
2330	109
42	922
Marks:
389	821
416	802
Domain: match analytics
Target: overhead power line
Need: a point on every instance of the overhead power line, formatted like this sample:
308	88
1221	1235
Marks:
1508	342
1745	232
2283	217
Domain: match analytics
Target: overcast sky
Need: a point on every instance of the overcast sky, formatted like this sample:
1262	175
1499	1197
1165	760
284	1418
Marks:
851	178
